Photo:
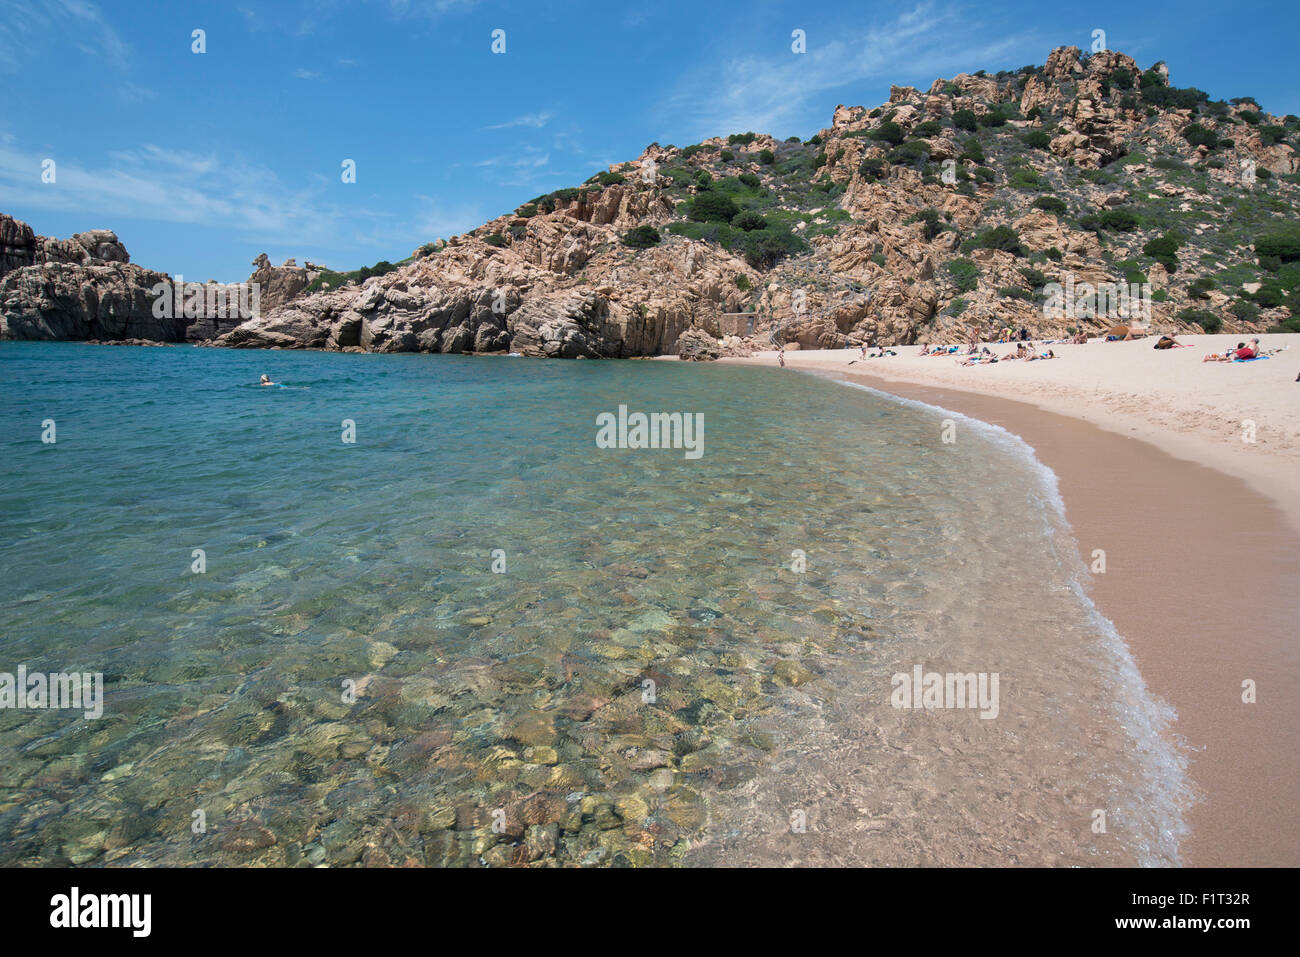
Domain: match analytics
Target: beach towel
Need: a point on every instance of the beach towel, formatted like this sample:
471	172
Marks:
1252	359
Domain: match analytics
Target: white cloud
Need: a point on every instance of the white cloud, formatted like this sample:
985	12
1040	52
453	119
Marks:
534	120
174	186
302	74
23	24
772	93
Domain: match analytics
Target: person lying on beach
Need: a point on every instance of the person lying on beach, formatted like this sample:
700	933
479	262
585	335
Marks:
1081	339
1224	356
1166	342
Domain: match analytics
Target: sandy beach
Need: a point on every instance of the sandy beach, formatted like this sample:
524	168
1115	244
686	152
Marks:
1200	533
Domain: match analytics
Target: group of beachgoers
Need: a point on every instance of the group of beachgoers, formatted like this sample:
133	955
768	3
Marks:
982	355
1026	350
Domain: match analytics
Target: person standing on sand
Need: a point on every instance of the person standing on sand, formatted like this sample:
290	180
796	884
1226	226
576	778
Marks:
780	357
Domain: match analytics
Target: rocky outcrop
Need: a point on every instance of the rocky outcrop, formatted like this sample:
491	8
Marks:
564	325
85	288
21	247
80	288
67	301
17	245
278	285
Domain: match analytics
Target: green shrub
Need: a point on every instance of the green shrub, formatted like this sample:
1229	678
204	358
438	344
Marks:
928	128
727	156
764	248
888	132
528	210
1120	220
703	180
912	153
750	180
1014	292
742	282
1051	204
1271	135
1025	178
748	221
1164	250
932	224
610	179
819	160
742	139
495	239
1053	254
641	237
712	206
999	237
872	168
1282	243
1201	317
1245	310
1038	139
984	174
1198	135
1200	288
767	157
1036	278
965	273
972	150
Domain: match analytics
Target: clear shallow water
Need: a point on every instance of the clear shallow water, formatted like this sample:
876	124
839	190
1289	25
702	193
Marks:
522	695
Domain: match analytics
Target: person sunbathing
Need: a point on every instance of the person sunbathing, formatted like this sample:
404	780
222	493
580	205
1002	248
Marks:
1224	356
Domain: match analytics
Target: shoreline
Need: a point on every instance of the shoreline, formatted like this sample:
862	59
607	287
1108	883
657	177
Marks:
1199	581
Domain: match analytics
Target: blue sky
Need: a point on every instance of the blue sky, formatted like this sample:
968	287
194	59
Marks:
201	161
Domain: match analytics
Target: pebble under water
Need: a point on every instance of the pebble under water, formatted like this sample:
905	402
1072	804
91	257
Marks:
474	637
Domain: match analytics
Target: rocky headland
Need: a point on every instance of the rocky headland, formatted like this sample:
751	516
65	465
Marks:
961	206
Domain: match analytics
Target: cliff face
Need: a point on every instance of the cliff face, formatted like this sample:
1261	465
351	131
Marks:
87	288
961	206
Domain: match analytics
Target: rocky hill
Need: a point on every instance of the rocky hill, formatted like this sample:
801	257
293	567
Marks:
974	203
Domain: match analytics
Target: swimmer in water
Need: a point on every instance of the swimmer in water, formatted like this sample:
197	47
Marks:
266	379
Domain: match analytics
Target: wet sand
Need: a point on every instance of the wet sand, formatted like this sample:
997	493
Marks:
1200	580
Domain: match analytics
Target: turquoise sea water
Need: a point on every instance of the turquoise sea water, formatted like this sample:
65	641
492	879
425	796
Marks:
648	681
